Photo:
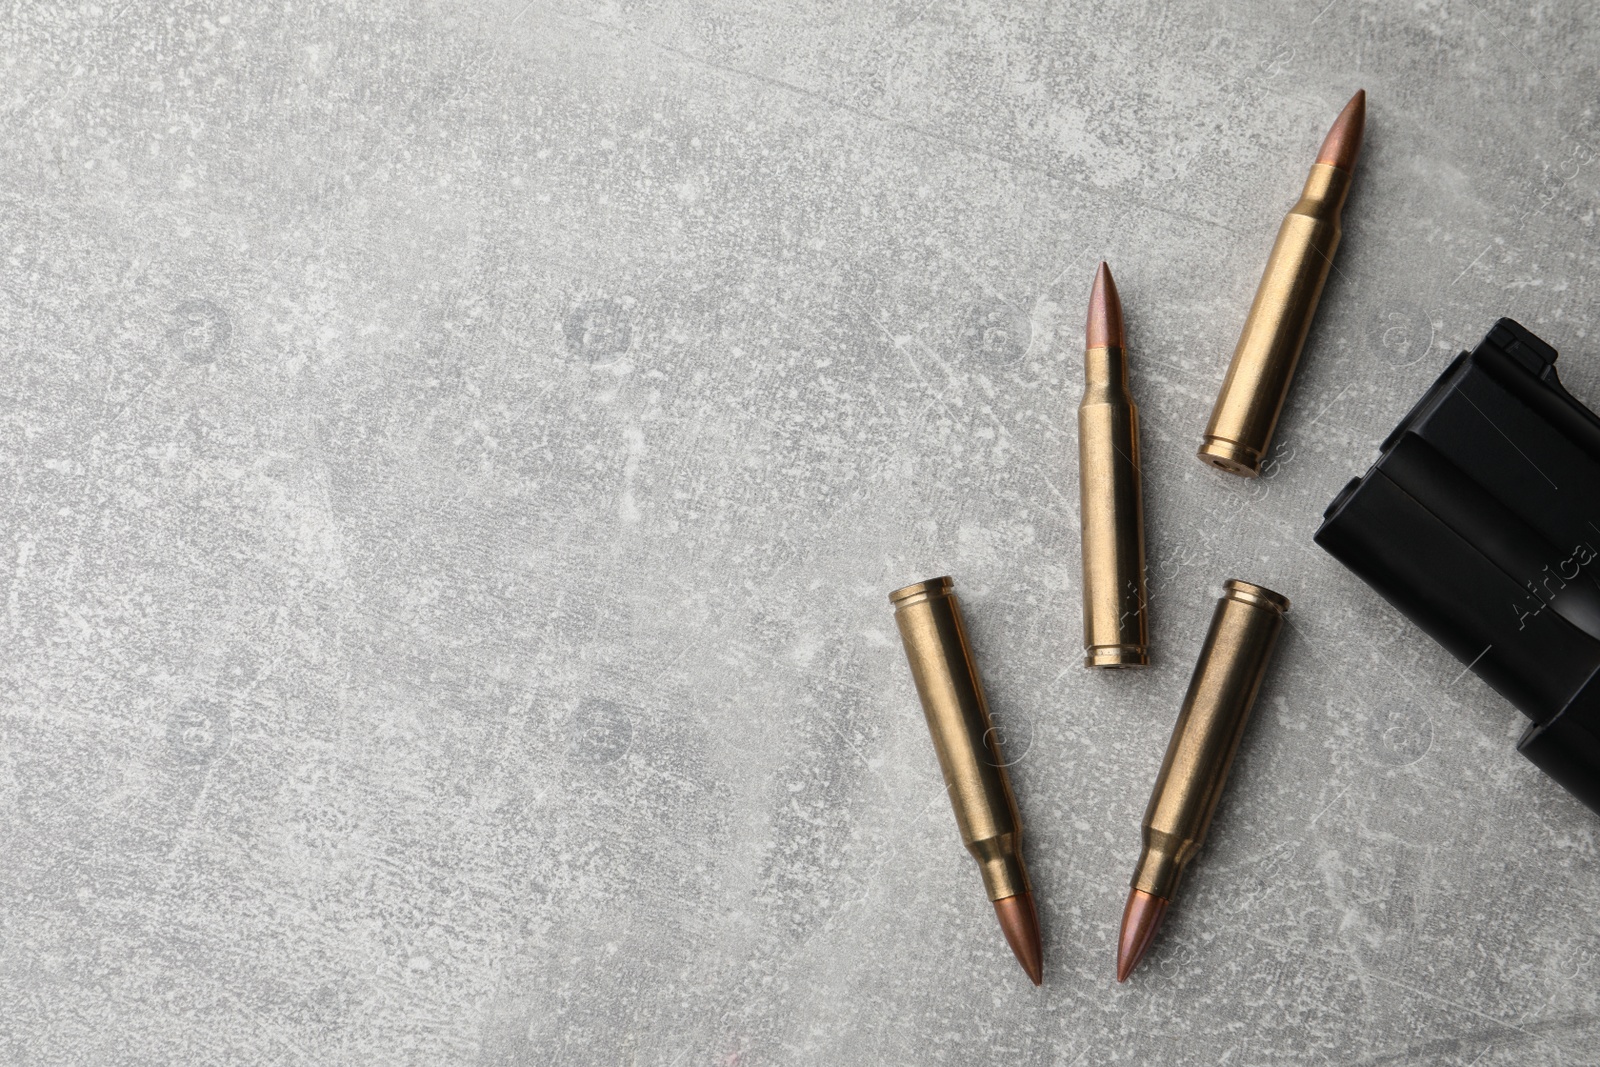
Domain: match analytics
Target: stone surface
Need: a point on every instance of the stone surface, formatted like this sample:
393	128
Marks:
454	458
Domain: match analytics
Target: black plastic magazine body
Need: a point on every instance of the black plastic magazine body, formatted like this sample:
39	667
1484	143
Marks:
1481	523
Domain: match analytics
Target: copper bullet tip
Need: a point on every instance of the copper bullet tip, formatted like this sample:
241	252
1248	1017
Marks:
1140	921
1343	143
1105	312
1020	921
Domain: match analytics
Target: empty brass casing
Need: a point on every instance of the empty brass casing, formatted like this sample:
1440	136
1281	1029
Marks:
1232	663
1111	515
1247	409
958	718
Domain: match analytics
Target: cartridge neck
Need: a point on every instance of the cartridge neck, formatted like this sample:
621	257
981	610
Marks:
1105	367
1159	872
1326	185
1000	863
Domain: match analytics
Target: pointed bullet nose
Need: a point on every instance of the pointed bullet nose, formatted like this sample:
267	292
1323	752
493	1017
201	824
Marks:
1020	921
1343	143
1104	327
1141	918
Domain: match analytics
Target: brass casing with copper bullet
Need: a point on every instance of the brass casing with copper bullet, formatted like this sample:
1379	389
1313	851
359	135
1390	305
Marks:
1246	412
935	639
1233	661
1111	510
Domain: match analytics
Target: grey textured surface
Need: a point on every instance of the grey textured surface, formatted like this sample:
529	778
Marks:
454	458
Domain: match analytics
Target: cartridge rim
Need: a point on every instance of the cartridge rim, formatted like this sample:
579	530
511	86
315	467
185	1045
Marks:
1249	593
925	590
1230	456
1110	657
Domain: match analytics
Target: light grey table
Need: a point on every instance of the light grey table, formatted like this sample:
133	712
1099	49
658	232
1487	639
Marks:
454	457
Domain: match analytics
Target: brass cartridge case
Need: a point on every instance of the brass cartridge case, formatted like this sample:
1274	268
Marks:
1244	629
1111	514
1246	412
975	778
